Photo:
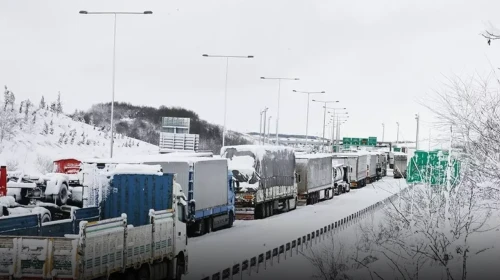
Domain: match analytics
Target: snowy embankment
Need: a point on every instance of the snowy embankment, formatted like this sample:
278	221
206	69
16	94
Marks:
482	263
32	141
213	252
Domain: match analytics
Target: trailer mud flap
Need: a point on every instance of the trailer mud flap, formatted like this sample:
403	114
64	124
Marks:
245	213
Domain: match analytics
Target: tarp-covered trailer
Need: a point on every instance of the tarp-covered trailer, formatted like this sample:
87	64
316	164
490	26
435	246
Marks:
400	164
314	178
358	167
371	162
264	177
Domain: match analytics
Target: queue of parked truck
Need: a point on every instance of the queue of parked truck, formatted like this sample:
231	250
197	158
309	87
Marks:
131	217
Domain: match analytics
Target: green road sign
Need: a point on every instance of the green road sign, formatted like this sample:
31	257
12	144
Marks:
364	142
346	140
372	141
430	167
355	141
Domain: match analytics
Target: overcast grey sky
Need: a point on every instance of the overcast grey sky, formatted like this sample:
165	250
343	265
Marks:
376	57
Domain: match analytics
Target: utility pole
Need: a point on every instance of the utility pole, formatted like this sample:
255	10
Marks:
417	117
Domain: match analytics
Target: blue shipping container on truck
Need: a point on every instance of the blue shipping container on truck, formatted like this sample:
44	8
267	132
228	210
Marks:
135	194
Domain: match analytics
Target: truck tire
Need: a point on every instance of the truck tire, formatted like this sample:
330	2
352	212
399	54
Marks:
209	222
178	271
63	195
231	219
201	227
144	273
45	218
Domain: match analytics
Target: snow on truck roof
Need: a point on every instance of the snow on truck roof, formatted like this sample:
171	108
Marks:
354	154
312	156
137	169
153	158
258	150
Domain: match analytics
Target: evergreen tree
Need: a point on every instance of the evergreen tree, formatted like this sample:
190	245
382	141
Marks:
12	100
53	107
51	131
6	95
45	130
34	118
58	108
42	103
21	107
27	109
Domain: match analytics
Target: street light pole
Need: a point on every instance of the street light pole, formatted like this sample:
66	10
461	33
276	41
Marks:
417	117
264	127
279	93
397	136
337	130
333	125
114	63
227	57
268	129
324	118
383	131
308	98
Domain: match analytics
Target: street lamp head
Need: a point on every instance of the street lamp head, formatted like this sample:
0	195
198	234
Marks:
148	12
250	56
294	91
296	79
262	78
205	55
322	92
83	12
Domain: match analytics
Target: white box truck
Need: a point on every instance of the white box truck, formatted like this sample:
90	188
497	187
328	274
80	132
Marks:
313	177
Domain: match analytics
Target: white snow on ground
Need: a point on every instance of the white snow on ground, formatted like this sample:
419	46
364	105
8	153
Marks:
483	266
33	152
246	239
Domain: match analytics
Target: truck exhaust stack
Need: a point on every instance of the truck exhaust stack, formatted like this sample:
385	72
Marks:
3	181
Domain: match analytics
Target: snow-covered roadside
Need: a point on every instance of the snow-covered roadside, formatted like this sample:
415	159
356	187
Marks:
209	253
480	266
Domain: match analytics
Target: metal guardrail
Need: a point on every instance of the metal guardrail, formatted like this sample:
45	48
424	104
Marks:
236	271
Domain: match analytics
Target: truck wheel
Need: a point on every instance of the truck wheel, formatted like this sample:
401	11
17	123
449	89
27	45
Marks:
271	208
264	210
202	227
231	219
62	196
144	273
178	271
209	223
45	218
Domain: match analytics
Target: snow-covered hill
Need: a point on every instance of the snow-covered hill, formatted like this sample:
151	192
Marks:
30	141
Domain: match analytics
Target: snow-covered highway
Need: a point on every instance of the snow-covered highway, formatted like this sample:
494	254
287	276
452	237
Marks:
213	252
